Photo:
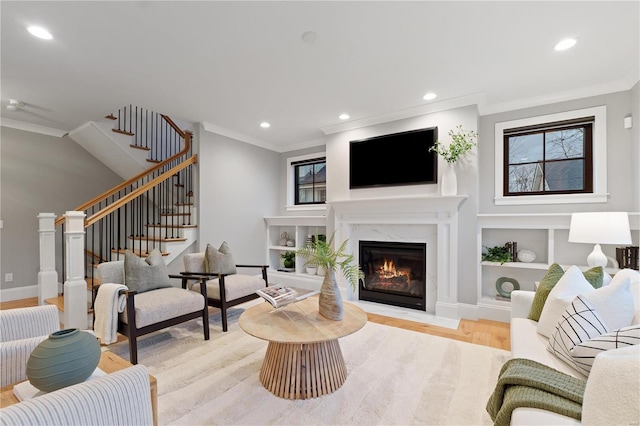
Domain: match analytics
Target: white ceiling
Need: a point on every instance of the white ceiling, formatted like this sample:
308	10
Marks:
232	65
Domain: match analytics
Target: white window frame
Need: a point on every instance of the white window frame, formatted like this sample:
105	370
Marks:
599	194
291	200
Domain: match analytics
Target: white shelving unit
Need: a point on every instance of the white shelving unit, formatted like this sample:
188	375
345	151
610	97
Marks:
298	228
546	235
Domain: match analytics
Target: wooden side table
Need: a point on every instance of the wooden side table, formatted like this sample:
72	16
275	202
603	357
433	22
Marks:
109	363
303	358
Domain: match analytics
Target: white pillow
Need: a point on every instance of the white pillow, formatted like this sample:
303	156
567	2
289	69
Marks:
579	322
585	352
614	303
634	277
562	294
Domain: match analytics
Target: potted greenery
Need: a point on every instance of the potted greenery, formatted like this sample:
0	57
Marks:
323	255
500	254
461	143
289	259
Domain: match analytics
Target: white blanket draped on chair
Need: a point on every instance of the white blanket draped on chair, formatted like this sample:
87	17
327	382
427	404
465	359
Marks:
107	305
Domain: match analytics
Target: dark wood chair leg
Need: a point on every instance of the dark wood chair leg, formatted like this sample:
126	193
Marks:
131	327
223	302
205	311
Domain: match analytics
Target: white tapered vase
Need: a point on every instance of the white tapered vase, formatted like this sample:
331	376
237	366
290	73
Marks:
449	184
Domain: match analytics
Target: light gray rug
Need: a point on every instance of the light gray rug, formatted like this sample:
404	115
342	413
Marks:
395	377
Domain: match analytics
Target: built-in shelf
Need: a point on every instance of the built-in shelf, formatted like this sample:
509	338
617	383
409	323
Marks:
298	228
546	235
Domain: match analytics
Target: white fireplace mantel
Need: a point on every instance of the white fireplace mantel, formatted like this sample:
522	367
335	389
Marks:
420	212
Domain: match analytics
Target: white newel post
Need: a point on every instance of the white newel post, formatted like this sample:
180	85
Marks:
75	286
47	277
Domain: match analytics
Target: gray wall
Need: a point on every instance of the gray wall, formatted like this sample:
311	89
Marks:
239	185
621	166
635	146
40	173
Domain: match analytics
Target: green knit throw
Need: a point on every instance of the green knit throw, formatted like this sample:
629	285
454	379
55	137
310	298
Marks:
526	383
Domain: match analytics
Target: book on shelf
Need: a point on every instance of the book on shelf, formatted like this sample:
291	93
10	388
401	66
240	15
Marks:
280	295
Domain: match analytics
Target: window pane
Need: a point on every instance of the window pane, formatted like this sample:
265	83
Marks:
565	175
525	148
526	178
565	144
311	183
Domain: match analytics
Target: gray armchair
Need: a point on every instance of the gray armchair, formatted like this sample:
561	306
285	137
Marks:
223	290
155	309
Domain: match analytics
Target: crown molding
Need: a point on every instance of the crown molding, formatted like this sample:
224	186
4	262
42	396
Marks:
34	128
473	99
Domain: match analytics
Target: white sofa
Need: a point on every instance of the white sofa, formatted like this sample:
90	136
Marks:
600	402
120	398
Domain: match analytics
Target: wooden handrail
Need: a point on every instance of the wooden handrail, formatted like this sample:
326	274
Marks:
174	125
139	191
187	145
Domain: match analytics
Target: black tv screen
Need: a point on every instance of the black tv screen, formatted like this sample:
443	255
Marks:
396	159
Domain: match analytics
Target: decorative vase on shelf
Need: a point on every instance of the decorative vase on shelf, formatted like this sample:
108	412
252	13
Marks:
66	358
330	302
449	184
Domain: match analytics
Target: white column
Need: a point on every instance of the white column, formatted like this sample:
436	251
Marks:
75	286
47	277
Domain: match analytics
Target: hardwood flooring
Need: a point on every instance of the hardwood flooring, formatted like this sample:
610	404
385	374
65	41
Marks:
482	332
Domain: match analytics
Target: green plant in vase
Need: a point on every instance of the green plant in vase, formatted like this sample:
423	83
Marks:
497	254
289	259
323	255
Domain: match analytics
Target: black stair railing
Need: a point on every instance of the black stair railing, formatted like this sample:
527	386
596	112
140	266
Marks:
144	211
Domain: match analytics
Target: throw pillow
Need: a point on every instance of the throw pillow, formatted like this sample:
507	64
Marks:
595	276
551	278
219	261
568	287
634	277
584	354
614	303
579	322
145	274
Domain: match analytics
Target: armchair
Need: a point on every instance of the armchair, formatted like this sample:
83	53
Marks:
151	309
21	330
224	290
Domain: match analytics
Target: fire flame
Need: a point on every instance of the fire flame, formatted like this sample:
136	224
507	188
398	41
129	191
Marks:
388	270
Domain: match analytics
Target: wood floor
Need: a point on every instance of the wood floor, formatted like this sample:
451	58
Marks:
482	332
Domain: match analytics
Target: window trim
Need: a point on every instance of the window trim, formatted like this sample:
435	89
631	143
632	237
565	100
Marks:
291	205
599	194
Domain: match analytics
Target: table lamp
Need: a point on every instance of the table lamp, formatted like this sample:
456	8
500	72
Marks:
599	228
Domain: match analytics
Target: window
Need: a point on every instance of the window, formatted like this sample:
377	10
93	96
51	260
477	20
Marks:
307	182
310	181
554	158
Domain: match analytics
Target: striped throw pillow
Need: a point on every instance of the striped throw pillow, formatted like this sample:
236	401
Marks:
579	322
584	353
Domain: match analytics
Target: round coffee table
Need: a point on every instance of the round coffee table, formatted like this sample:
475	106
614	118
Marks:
303	358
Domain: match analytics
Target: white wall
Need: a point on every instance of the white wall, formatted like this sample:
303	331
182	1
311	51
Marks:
622	176
41	173
239	185
467	172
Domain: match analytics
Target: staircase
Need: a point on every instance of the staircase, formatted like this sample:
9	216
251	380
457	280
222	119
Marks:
154	209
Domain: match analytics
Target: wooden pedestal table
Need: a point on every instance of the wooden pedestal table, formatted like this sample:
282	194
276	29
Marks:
303	358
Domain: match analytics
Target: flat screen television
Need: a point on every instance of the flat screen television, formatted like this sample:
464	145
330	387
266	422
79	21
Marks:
395	159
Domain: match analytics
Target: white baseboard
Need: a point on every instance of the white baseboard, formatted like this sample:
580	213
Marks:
467	311
17	293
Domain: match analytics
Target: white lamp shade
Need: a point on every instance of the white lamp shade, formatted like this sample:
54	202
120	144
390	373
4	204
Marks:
600	228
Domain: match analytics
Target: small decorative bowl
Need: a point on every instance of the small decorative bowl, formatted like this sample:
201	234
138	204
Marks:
527	256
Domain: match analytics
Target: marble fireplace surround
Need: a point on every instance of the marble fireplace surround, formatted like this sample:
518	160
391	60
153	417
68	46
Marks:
430	219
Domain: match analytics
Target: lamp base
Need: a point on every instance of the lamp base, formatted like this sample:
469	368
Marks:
597	257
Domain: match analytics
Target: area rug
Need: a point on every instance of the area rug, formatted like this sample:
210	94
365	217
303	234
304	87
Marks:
395	377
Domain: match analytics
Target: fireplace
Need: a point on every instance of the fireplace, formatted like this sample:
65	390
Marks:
394	273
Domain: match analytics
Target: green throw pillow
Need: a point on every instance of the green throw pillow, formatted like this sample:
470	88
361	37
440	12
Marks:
594	276
551	278
145	274
219	261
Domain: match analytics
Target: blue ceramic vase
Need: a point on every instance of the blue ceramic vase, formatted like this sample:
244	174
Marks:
67	357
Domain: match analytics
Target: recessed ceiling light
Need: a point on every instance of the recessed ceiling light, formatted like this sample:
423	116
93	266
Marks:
265	125
39	32
343	116
429	96
566	44
309	37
